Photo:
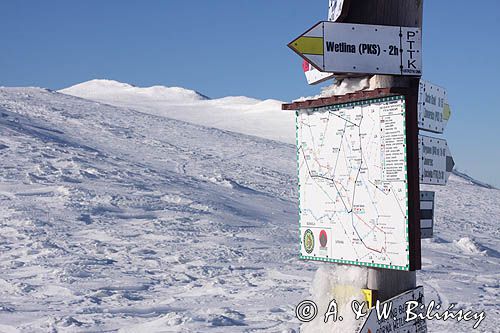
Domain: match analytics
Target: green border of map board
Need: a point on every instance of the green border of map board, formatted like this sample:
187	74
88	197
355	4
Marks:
337	107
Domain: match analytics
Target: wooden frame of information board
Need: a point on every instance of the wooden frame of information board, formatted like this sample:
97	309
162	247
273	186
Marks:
411	126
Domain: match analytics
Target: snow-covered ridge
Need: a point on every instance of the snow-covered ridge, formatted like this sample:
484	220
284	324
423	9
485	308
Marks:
263	118
111	88
240	114
472	180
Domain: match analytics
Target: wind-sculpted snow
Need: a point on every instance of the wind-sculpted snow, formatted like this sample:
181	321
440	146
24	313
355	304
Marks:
111	219
461	264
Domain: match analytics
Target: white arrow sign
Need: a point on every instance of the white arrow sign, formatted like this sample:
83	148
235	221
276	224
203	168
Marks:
361	48
435	158
396	321
433	108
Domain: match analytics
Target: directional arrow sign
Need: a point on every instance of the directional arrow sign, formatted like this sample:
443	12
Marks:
396	321
360	48
433	108
436	162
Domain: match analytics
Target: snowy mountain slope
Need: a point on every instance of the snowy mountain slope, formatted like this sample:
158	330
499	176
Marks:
238	114
112	219
461	264
471	180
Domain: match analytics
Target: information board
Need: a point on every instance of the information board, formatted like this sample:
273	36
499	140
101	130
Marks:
353	183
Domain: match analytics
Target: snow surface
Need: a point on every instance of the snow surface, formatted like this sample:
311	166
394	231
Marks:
116	220
236	113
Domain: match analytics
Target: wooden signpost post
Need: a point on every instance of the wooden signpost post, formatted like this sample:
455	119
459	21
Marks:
361	156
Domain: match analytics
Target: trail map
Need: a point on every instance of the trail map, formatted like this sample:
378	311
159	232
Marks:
353	183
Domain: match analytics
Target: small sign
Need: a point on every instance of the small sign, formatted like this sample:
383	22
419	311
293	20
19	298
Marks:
436	162
337	9
433	108
314	76
361	48
396	321
426	214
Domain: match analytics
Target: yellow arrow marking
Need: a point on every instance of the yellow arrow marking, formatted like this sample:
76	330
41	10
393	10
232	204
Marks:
369	297
308	45
446	111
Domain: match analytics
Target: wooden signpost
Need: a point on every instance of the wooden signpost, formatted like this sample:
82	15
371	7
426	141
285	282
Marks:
341	199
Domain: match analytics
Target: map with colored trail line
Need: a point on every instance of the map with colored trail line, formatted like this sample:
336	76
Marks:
353	183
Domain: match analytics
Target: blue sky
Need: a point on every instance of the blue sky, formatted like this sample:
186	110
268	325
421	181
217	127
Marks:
236	47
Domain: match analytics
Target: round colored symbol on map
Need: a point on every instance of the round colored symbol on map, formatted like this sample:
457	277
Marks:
323	239
309	241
